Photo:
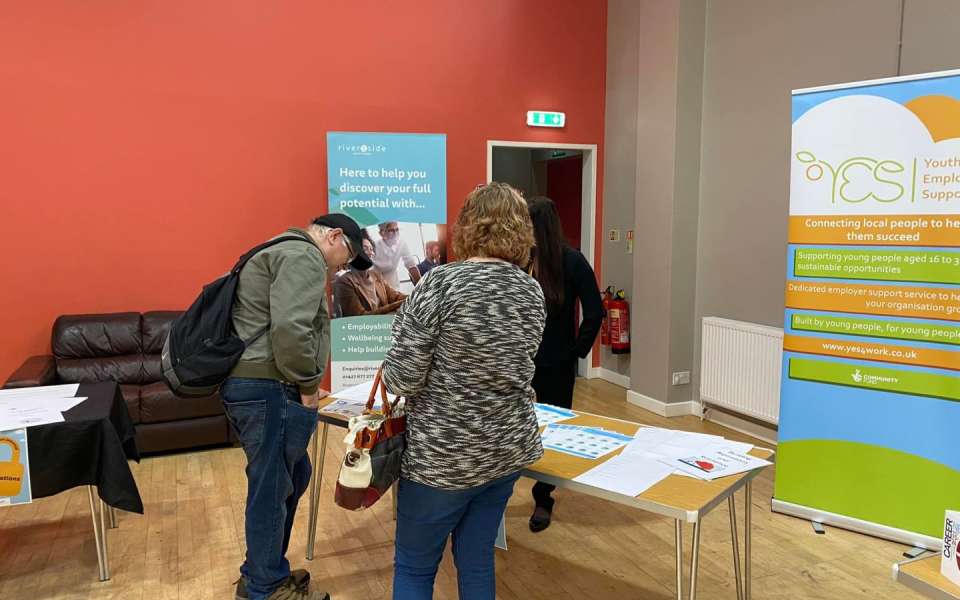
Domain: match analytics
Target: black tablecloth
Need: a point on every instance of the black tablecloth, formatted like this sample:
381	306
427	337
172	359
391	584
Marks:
91	447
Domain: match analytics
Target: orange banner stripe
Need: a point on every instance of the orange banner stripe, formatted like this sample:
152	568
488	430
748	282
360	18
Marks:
891	353
902	301
870	230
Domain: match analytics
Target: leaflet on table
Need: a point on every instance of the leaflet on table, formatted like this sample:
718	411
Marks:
585	442
630	475
647	439
49	391
360	393
714	465
22	416
547	414
59	404
345	408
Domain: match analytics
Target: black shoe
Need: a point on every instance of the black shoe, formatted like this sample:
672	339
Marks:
300	579
540	519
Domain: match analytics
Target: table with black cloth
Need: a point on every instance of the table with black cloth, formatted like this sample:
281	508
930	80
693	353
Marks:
90	448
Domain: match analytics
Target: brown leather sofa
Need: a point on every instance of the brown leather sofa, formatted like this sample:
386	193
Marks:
125	347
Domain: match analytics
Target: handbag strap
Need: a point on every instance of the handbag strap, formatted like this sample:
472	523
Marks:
380	386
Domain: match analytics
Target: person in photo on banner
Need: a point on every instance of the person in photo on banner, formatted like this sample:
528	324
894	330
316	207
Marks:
364	292
433	258
272	393
391	251
462	356
566	279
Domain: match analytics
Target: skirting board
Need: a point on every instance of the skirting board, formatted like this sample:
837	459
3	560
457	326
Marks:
664	409
612	377
766	433
909	538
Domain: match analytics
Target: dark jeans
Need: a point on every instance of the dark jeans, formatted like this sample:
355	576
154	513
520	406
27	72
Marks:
274	429
427	516
553	385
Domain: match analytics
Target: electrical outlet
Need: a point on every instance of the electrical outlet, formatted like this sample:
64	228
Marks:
681	378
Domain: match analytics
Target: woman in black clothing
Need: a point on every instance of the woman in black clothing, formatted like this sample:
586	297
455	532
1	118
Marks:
565	277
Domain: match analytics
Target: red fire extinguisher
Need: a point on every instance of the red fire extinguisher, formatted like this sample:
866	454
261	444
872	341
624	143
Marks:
619	316
605	325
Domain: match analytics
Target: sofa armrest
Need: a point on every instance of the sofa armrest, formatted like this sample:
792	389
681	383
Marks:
36	370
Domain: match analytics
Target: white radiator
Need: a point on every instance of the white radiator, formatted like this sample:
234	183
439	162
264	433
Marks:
740	367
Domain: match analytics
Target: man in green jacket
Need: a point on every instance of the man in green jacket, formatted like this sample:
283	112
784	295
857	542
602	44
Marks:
271	395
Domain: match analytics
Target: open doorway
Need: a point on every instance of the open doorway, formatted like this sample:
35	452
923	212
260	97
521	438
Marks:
566	173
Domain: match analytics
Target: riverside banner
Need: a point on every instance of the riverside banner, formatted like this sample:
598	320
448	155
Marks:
395	186
870	396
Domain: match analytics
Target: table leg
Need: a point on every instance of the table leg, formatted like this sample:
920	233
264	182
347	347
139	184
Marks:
104	525
316	481
113	517
679	528
99	534
747	526
735	542
695	560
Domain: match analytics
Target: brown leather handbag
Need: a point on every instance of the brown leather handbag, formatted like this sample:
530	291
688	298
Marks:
375	443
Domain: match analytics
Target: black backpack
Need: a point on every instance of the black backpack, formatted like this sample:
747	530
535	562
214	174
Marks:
202	347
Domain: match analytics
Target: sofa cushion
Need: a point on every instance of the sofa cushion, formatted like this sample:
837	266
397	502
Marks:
122	369
190	433
158	405
155	325
131	395
152	369
96	336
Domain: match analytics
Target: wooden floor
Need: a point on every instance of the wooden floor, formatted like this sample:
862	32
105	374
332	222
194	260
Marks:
189	543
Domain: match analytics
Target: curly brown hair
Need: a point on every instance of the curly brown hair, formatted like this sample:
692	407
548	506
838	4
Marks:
494	223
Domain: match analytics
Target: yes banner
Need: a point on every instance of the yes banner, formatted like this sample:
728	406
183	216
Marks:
395	186
14	468
870	398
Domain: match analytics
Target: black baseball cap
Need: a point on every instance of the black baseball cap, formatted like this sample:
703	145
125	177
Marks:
353	232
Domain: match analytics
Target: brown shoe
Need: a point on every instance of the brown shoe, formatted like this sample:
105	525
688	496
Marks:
299	577
290	591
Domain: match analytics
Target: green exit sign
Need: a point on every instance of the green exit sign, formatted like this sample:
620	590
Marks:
543	118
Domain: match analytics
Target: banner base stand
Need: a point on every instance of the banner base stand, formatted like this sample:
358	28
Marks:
914	553
902	536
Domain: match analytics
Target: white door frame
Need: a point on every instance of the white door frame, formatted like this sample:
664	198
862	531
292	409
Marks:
588	215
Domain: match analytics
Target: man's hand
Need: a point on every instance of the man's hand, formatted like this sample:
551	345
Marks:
312	400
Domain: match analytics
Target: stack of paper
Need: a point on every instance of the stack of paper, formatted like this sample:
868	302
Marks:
547	414
47	391
30	407
351	401
654	453
694	454
585	442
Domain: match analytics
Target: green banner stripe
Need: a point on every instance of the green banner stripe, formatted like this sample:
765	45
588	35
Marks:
915	383
897	330
925	266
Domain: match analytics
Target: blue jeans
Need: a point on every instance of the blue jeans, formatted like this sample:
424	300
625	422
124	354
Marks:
427	516
274	429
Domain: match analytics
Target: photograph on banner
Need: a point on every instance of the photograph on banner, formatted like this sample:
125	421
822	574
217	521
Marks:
870	389
14	468
394	186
